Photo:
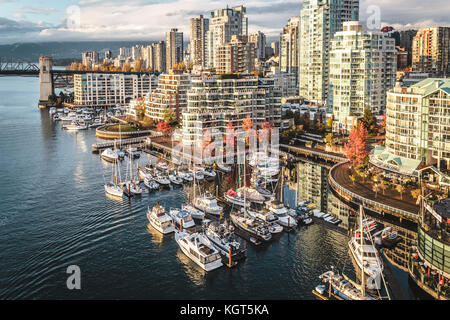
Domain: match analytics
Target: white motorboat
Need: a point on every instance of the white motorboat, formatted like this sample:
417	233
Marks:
306	220
276	207
222	237
275	228
264	192
109	155
162	166
208	173
198	175
144	174
71	116
56	117
97	123
252	226
151	184
199	249
373	265
208	204
175	180
224	168
269	218
186	176
195	213
52	111
282	213
182	218
163	180
75	126
160	220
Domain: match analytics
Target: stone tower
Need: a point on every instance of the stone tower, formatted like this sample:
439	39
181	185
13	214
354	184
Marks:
45	78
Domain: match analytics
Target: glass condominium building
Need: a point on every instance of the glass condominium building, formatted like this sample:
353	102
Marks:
362	70
319	21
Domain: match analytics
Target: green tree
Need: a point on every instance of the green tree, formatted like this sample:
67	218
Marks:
368	120
169	115
52	99
329	139
140	110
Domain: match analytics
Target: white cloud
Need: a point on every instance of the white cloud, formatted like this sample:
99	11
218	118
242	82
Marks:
150	20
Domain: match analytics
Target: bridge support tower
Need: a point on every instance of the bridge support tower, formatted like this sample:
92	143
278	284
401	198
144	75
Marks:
45	80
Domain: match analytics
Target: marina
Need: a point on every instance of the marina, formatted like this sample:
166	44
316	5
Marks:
120	234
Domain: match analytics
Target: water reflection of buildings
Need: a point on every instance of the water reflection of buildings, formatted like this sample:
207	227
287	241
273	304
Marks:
310	182
313	183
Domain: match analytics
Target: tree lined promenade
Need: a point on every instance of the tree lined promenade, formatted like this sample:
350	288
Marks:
343	174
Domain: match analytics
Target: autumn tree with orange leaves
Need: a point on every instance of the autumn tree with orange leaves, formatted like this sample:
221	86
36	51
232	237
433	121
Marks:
163	127
356	148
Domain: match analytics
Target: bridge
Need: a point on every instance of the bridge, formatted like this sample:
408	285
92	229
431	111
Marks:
11	66
48	77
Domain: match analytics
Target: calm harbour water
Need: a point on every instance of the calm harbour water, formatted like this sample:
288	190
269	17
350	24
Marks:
54	213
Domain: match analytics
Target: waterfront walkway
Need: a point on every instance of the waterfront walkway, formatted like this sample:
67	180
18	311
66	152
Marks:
335	157
340	175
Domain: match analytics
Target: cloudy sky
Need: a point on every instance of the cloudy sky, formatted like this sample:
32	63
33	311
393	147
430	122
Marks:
72	20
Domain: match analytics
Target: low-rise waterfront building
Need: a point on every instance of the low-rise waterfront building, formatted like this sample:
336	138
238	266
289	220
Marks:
110	89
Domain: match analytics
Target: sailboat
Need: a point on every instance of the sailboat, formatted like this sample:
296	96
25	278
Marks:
250	225
131	185
342	287
113	188
366	256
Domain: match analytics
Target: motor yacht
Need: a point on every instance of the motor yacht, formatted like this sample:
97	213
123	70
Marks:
222	237
208	204
195	213
199	249
252	226
160	220
182	218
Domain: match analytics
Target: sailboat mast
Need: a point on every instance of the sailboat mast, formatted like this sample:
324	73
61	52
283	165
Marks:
363	284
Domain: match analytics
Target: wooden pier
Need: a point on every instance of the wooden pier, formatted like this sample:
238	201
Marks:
97	147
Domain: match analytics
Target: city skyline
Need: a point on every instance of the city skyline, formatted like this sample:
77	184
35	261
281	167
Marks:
24	21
